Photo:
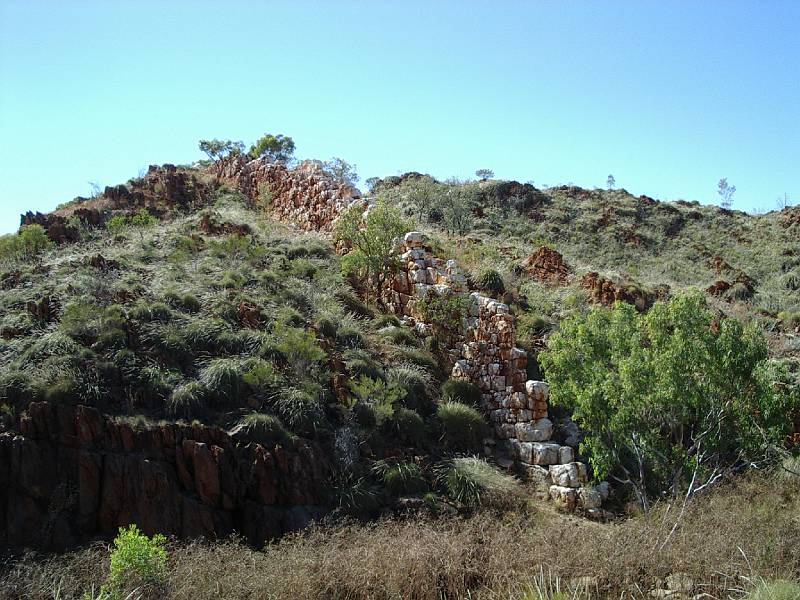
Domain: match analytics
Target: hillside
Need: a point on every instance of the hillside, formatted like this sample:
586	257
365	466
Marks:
195	352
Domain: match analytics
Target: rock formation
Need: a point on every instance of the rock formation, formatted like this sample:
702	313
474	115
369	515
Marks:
71	473
480	348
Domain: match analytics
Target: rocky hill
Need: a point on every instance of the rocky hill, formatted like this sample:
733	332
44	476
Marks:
183	351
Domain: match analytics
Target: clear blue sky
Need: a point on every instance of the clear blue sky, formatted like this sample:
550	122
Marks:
667	96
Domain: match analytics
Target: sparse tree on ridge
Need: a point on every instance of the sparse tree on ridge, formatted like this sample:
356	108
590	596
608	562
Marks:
279	148
341	170
216	149
726	192
611	182
784	201
484	174
371	183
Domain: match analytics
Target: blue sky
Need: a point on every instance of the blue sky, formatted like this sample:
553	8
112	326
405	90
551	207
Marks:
667	96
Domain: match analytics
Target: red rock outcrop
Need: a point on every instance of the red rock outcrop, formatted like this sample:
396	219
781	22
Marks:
71	473
606	292
304	196
547	266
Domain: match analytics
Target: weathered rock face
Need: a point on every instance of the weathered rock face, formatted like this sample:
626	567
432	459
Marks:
303	196
161	189
72	473
547	266
606	292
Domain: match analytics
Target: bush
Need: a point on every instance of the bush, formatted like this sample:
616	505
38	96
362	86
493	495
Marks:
738	291
29	242
223	378
671	398
463	427
386	321
137	561
491	281
402	336
463	392
415	383
401	478
265	429
186	400
775	590
409	427
472	482
301	408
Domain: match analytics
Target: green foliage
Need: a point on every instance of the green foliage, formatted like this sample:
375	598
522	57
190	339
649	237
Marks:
402	336
372	242
378	394
27	244
341	171
136	561
300	408
117	224
491	281
265	428
279	148
187	400
216	149
775	590
484	174
461	391
472	481
409	427
463	427
669	399
401	478
446	311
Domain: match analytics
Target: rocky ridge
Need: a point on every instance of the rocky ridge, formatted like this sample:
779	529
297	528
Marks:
481	350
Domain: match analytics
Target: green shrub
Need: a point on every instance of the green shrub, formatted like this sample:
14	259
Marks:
187	400
409	427
402	336
491	281
16	388
463	392
415	383
359	362
445	310
420	358
232	280
137	561
472	482
147	311
265	429
401	478
386	321
648	387
223	378
355	305
349	336
791	281
29	242
463	427
301	408
302	268
326	326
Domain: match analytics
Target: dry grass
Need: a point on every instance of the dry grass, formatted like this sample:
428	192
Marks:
747	531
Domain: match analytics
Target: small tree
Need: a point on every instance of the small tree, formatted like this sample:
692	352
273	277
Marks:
611	182
371	183
484	174
142	220
216	149
371	238
784	201
279	148
341	170
726	192
456	205
672	401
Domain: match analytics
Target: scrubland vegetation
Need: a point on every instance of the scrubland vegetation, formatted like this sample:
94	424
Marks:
224	317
